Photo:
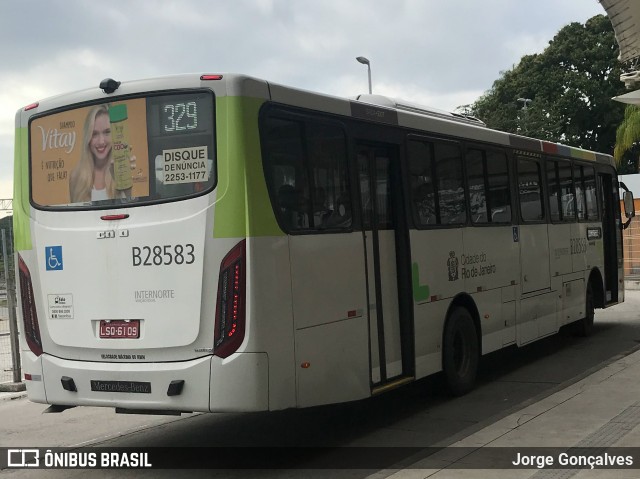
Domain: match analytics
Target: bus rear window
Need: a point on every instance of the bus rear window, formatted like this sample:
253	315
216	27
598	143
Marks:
129	152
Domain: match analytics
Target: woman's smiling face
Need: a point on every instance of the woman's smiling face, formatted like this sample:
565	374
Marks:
100	143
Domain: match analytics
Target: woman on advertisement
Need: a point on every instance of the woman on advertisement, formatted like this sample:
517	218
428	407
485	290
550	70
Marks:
92	179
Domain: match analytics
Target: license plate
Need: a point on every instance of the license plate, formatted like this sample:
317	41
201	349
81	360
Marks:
121	387
119	329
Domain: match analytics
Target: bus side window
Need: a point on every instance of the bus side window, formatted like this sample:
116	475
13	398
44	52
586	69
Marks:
292	207
340	216
285	170
530	190
488	184
424	204
320	209
306	171
553	181
580	192
591	193
498	195
566	191
423	197
451	202
326	148
476	168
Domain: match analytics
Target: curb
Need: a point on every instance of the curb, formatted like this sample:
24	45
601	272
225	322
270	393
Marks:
12	387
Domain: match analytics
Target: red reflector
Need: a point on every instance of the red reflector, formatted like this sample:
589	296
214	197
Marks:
27	377
230	307
31	107
29	315
114	217
351	314
211	77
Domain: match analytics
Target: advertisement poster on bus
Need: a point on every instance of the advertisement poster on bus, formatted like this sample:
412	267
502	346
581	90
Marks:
90	154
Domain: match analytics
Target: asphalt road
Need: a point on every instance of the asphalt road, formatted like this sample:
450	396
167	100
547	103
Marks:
417	416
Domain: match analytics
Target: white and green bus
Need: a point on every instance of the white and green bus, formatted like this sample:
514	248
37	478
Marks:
223	243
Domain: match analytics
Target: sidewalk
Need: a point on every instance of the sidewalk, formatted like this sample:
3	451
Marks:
602	410
12	395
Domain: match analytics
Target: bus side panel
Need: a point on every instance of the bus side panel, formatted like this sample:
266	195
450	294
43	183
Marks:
329	310
429	324
536	316
332	363
489	304
579	246
437	277
240	383
490	258
595	249
534	254
270	317
573	300
489	265
560	262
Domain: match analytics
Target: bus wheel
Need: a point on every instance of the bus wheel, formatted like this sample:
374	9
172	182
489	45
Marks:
584	327
461	354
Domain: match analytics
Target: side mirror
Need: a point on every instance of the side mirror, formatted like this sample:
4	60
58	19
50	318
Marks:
629	205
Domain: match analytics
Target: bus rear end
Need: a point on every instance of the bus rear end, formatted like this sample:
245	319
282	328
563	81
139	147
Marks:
124	293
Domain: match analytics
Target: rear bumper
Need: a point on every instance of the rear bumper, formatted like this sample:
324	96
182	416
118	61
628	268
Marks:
237	383
194	396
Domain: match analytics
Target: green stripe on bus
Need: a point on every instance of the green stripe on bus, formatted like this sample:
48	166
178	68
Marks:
420	291
242	206
21	229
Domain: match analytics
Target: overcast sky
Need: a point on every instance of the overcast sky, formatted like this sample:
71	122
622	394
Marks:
441	53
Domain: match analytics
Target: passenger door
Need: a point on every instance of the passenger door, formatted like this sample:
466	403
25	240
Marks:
610	231
386	252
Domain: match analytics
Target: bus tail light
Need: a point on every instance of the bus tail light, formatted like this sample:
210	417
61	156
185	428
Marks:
230	304
29	314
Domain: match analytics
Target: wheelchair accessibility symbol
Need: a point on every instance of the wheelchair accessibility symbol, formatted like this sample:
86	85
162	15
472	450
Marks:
53	258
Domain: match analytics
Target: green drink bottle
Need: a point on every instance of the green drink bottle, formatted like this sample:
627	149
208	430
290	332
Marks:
120	147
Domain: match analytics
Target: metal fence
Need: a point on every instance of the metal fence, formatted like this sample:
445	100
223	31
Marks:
10	369
631	241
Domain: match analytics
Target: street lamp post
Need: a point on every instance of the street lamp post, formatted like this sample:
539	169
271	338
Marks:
365	61
525	102
525	106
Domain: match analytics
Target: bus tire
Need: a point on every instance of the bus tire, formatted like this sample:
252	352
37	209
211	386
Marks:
584	327
460	352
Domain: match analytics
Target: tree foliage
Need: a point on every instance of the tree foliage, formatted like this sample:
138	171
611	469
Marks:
570	83
627	141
